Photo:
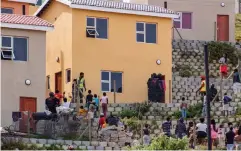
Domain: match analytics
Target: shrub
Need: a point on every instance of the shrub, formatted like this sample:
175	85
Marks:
238	111
128	113
192	111
185	71
138	110
133	123
165	143
217	49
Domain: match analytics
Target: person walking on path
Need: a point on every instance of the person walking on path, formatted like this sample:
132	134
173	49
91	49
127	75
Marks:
202	88
181	130
184	108
236	82
166	127
226	100
104	101
146	137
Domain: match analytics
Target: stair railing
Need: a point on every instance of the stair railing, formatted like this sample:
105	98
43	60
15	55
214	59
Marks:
173	32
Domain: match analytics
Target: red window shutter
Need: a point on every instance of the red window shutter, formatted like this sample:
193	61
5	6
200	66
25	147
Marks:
186	20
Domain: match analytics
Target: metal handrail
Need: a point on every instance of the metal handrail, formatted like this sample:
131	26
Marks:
174	28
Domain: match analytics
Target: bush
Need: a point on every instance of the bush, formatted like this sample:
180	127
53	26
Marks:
238	111
185	71
192	111
138	110
133	123
128	113
165	143
217	49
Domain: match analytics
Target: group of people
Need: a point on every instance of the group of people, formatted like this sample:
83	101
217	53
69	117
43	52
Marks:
197	133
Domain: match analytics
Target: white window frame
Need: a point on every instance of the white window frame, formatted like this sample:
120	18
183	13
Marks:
108	81
7	48
66	74
142	32
92	27
178	20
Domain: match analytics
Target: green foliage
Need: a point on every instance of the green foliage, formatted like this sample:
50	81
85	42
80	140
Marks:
238	27
139	109
238	111
185	71
192	111
133	123
165	143
217	49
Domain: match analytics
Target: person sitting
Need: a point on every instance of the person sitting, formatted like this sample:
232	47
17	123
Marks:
51	103
82	113
181	130
66	103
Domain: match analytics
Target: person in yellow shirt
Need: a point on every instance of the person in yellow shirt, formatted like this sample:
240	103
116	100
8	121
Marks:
202	88
82	113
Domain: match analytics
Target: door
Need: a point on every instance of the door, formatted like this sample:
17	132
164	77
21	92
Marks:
58	81
27	104
223	28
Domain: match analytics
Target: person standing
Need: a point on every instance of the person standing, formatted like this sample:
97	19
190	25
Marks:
146	137
82	87
223	65
181	130
236	82
229	139
51	103
59	96
104	101
97	102
226	100
201	131
89	99
184	108
166	127
204	110
190	134
202	88
213	92
214	133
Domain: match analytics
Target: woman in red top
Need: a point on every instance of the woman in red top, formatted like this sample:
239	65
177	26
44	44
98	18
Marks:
59	96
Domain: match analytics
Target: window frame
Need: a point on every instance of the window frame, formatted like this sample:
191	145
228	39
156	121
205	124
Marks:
109	81
95	26
66	74
180	20
10	49
12	46
8	8
144	32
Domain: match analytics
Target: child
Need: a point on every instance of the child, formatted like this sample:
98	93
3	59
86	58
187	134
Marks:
91	114
184	108
226	100
89	99
146	137
223	66
104	101
66	103
221	135
82	113
190	134
96	100
102	122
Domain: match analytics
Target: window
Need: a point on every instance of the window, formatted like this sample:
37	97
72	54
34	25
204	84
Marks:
184	21
24	9
39	2
97	28
108	79
7	10
14	48
68	75
48	82
146	32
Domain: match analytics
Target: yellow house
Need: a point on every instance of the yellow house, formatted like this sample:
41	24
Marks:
108	41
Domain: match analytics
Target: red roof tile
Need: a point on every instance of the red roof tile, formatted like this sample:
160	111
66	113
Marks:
24	20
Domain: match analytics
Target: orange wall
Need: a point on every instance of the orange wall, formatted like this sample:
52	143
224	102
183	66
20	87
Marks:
17	6
120	52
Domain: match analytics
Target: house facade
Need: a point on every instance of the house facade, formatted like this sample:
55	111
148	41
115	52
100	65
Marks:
21	7
22	64
108	41
201	20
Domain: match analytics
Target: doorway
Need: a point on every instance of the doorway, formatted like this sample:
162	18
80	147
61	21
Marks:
58	81
27	104
222	27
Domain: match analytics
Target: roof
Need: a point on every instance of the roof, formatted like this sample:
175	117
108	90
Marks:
25	1
116	7
24	22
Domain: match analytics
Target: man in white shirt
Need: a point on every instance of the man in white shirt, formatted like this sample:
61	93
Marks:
201	130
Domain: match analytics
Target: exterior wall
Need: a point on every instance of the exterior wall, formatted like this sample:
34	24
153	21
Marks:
59	43
14	74
33	9
121	52
204	16
17	6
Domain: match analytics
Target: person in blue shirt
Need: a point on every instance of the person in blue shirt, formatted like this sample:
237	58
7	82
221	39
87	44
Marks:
166	127
97	102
